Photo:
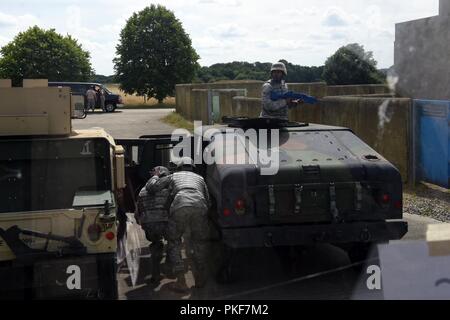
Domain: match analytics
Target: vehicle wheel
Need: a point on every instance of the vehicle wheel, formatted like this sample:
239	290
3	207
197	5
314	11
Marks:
107	279
110	107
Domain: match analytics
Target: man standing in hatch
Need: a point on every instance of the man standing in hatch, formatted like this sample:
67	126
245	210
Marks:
276	109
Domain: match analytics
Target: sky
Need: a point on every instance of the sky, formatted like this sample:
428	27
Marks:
303	32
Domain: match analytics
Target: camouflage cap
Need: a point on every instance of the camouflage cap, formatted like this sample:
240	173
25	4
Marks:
279	66
163	171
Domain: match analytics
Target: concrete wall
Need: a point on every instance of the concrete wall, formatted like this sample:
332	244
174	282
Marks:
198	109
357	90
421	56
384	124
185	93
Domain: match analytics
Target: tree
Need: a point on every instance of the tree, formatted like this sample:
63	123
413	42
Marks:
39	53
154	54
351	64
256	71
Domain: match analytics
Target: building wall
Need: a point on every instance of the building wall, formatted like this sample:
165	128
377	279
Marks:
422	56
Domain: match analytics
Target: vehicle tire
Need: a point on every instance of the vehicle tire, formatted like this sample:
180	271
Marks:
107	278
110	107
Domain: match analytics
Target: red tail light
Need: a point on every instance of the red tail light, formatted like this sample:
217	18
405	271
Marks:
386	199
240	206
398	204
110	236
226	212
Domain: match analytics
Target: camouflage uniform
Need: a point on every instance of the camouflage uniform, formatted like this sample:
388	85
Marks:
188	214
91	98
274	109
153	215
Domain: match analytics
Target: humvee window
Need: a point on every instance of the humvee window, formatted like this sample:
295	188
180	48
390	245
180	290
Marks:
45	175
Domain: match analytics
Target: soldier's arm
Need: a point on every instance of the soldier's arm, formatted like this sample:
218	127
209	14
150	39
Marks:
156	183
267	102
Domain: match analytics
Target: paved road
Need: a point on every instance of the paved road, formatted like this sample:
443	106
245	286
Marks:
261	274
128	124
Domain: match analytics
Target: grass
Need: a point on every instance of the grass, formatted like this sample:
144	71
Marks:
135	102
176	120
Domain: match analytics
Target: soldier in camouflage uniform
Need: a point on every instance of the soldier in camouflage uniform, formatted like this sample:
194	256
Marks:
276	109
188	214
153	215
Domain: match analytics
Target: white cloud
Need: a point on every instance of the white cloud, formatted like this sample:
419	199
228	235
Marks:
337	17
20	22
222	3
228	31
7	20
302	31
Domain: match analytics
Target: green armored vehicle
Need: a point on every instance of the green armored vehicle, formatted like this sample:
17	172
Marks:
322	185
282	185
59	193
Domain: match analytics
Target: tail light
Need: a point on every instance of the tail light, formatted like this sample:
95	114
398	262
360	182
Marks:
398	204
385	198
226	212
110	236
240	206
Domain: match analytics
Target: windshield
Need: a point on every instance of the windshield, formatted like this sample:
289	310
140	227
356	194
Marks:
46	174
106	90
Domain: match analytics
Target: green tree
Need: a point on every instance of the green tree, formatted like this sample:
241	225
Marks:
351	64
39	53
256	71
154	54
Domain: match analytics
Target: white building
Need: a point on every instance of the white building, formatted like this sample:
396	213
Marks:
422	56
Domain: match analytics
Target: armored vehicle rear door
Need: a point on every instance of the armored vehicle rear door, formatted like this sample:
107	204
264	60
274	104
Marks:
141	156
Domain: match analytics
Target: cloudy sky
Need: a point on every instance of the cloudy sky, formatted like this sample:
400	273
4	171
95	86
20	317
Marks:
303	32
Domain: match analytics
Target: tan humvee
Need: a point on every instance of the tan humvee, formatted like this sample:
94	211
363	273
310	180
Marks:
59	192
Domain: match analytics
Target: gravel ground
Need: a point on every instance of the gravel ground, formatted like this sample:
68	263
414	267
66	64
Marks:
429	201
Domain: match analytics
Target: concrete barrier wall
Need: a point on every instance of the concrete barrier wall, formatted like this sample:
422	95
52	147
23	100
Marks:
317	89
253	90
246	107
357	90
384	124
183	93
198	110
